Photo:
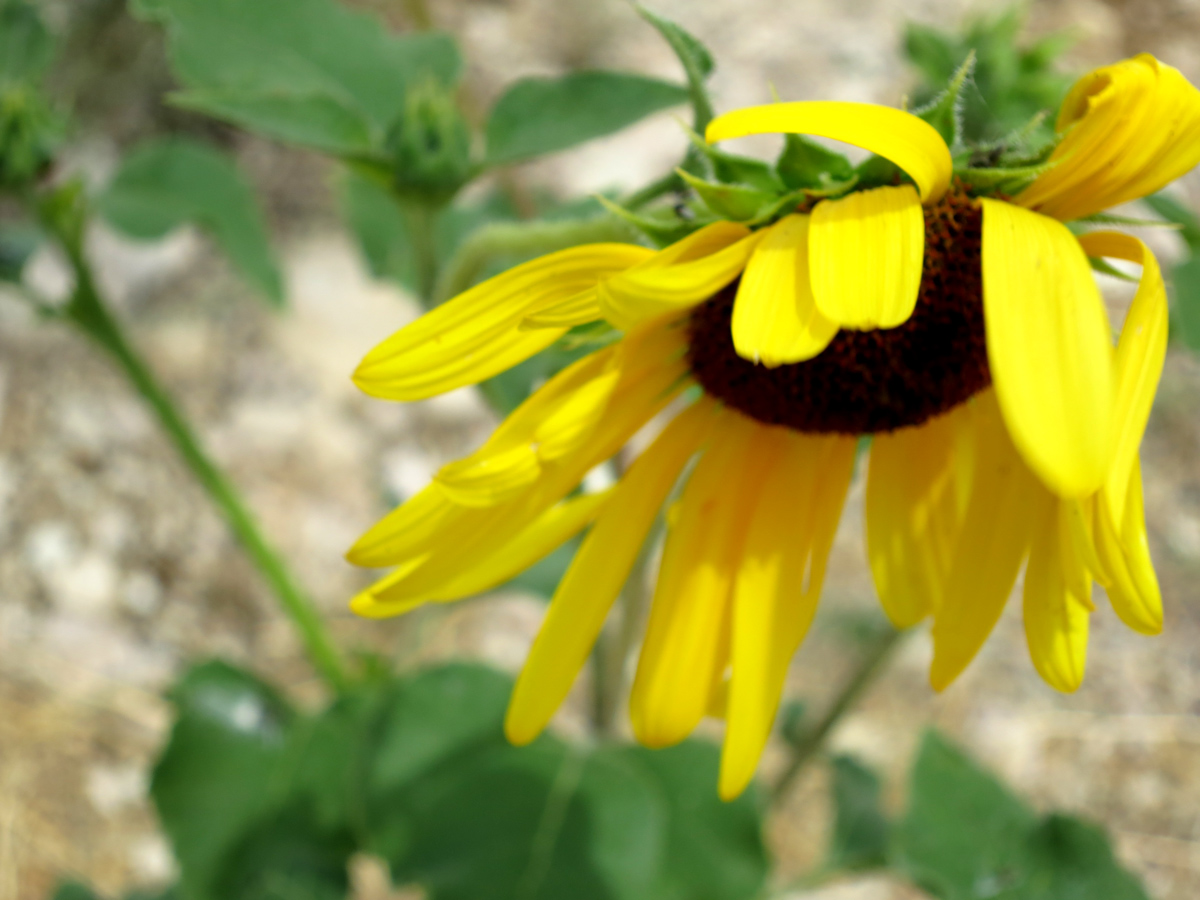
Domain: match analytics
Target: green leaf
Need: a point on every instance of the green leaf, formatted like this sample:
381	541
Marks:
26	47
168	182
1185	284
860	829
697	65
543	115
226	796
215	778
945	111
312	120
966	837
311	71
805	163
73	890
715	849
1174	211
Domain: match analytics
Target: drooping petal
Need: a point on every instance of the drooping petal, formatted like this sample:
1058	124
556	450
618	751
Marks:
681	656
1141	350
476	334
995	535
774	318
684	274
1049	347
912	515
1127	570
777	586
1129	129
594	578
866	252
550	530
1056	618
911	143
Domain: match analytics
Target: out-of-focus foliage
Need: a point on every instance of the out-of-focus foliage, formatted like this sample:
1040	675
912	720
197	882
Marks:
1184	277
169	182
29	129
1011	82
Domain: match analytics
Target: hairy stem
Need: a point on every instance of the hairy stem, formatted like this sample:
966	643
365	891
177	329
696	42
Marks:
864	676
87	310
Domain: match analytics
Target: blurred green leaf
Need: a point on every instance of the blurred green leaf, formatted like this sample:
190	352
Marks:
26	47
224	796
543	115
1010	83
1185	283
966	836
1174	211
543	576
945	111
860	829
309	71
168	182
73	890
735	202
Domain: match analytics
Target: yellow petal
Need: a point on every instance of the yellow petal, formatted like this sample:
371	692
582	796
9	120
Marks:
777	586
911	143
1141	351
774	318
912	515
550	530
574	310
1049	347
1005	498
594	578
1128	571
1056	618
681	653
684	274
571	423
1129	129
866	252
402	532
475	335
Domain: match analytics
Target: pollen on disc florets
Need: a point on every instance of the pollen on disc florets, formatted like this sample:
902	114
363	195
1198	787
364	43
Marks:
867	381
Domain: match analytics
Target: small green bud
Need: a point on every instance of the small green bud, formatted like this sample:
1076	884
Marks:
29	133
430	145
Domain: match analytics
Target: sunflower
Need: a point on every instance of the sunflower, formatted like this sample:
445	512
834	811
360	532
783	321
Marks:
957	326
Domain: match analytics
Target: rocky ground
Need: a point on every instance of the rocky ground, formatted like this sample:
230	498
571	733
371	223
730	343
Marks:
115	571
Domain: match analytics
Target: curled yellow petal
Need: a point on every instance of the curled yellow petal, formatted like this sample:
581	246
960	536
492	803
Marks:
1049	347
476	334
995	536
1141	351
775	320
550	530
912	513
1128	129
911	143
1056	617
601	566
777	586
1127	570
684	274
866	252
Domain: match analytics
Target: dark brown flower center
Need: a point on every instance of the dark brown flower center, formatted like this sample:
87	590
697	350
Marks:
867	381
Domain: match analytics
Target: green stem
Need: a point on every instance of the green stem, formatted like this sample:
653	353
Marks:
864	676
88	312
422	223
520	239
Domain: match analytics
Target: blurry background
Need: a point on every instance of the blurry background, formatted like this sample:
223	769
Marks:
115	570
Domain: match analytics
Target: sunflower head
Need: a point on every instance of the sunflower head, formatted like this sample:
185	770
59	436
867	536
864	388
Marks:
931	299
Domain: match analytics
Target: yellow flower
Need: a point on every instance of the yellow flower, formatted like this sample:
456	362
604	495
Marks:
965	334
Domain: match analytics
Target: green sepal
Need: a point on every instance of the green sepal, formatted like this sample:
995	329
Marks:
1104	267
1006	181
945	111
804	163
733	169
875	171
662	231
1130	222
735	202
